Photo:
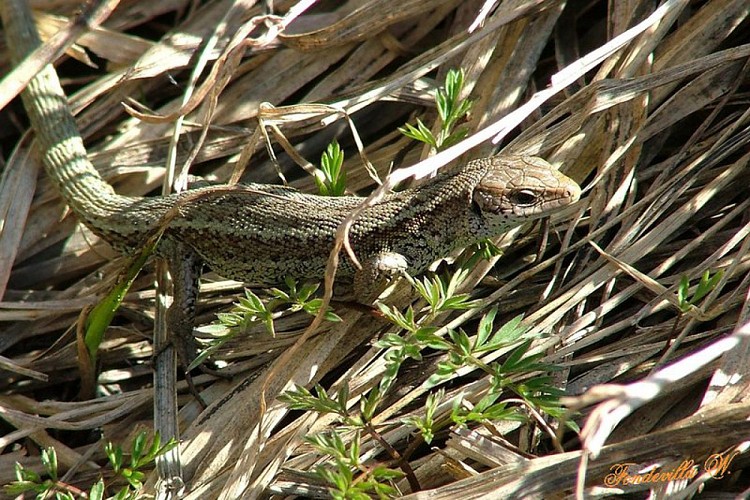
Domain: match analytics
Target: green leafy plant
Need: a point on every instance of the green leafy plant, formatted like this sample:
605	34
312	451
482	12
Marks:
29	481
299	298
300	398
340	474
426	424
330	177
519	375
142	455
339	471
451	111
251	310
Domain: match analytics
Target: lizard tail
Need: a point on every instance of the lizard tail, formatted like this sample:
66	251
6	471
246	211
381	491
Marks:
90	197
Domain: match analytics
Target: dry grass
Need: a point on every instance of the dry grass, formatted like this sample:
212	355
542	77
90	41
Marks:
657	133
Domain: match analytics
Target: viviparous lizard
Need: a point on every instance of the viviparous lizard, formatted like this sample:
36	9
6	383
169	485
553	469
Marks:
264	233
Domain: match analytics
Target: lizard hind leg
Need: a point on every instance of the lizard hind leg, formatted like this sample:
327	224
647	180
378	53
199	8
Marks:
377	273
185	267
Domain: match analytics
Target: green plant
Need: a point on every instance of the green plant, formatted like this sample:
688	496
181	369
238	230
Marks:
519	374
29	481
142	454
330	177
704	287
340	472
440	296
252	310
451	110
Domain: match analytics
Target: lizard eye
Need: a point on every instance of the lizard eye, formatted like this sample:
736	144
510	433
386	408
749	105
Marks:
523	197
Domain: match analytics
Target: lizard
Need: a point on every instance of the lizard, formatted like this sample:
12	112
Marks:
262	233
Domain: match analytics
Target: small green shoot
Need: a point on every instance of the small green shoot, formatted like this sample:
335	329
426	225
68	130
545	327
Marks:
486	250
340	472
462	351
487	409
419	133
29	481
300	398
426	424
451	110
441	296
704	287
330	177
142	454
248	311
300	298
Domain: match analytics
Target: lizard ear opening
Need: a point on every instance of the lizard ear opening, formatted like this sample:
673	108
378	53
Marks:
476	207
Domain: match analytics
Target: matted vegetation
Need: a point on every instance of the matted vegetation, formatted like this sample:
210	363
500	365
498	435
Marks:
634	302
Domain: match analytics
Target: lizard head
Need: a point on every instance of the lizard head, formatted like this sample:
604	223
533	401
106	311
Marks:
517	189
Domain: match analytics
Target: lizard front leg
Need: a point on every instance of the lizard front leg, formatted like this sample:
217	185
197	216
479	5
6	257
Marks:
377	272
